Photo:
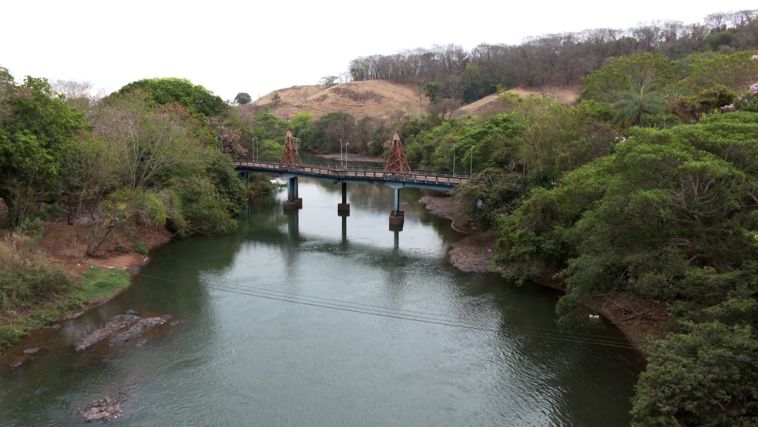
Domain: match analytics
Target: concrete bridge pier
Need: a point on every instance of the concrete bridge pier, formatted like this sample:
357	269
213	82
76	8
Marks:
293	202
344	231
397	216
343	209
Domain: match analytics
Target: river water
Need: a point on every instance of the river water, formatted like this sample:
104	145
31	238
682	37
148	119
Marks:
303	320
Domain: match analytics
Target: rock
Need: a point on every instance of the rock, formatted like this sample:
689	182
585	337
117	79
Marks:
139	328
112	326
30	350
132	312
104	410
16	365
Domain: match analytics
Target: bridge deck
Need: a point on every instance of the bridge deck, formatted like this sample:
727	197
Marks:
415	179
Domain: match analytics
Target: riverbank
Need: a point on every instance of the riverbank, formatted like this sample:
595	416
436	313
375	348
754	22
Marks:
473	253
637	319
84	281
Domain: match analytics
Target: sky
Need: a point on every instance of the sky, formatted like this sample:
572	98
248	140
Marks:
260	46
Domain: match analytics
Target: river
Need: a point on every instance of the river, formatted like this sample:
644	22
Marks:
303	320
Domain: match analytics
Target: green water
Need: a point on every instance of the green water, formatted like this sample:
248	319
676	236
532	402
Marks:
304	320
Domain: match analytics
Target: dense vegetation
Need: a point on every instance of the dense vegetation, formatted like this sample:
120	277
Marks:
150	155
556	59
647	189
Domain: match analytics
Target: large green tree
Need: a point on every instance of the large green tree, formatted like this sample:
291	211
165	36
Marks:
36	130
243	98
196	98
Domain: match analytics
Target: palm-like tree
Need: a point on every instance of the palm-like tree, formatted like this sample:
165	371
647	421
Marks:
636	102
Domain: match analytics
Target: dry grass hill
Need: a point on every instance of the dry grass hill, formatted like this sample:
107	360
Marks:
381	99
492	104
374	98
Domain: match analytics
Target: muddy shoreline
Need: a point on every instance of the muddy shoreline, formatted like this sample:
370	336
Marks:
637	319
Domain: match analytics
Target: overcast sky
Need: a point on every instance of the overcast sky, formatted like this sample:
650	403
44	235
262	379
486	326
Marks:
257	47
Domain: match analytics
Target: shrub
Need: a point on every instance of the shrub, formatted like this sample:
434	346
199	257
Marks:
26	278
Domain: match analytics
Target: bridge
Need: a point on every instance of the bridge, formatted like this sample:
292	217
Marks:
396	175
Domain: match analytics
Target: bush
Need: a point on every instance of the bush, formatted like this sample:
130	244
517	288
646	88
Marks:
26	278
203	208
139	246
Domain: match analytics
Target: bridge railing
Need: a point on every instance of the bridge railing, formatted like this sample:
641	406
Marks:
362	172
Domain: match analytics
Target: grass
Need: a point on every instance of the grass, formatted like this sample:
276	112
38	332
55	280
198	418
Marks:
139	246
99	283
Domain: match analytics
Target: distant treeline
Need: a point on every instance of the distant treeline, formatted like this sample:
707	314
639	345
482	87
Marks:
555	59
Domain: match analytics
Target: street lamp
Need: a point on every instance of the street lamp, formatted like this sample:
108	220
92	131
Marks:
346	144
255	148
471	161
453	160
341	159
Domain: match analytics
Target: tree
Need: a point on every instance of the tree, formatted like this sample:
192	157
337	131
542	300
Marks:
36	129
704	375
243	98
88	173
637	103
149	142
328	81
195	98
646	73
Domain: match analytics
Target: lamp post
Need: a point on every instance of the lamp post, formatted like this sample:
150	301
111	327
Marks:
341	160
346	144
255	148
453	160
471	161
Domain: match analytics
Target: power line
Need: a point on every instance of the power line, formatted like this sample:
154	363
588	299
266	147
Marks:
383	312
388	313
399	312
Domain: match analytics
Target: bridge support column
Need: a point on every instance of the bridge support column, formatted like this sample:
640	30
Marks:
397	217
293	201
343	209
344	231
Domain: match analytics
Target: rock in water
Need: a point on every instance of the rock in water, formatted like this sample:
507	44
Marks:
30	350
139	328
112	326
106	409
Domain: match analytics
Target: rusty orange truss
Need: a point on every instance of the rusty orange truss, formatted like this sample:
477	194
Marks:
397	161
290	155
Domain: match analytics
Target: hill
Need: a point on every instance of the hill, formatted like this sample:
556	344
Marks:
373	98
492	104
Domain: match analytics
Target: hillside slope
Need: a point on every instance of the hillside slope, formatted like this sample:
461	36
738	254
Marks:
375	98
492	104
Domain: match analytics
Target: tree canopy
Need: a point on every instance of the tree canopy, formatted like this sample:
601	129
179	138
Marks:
161	91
